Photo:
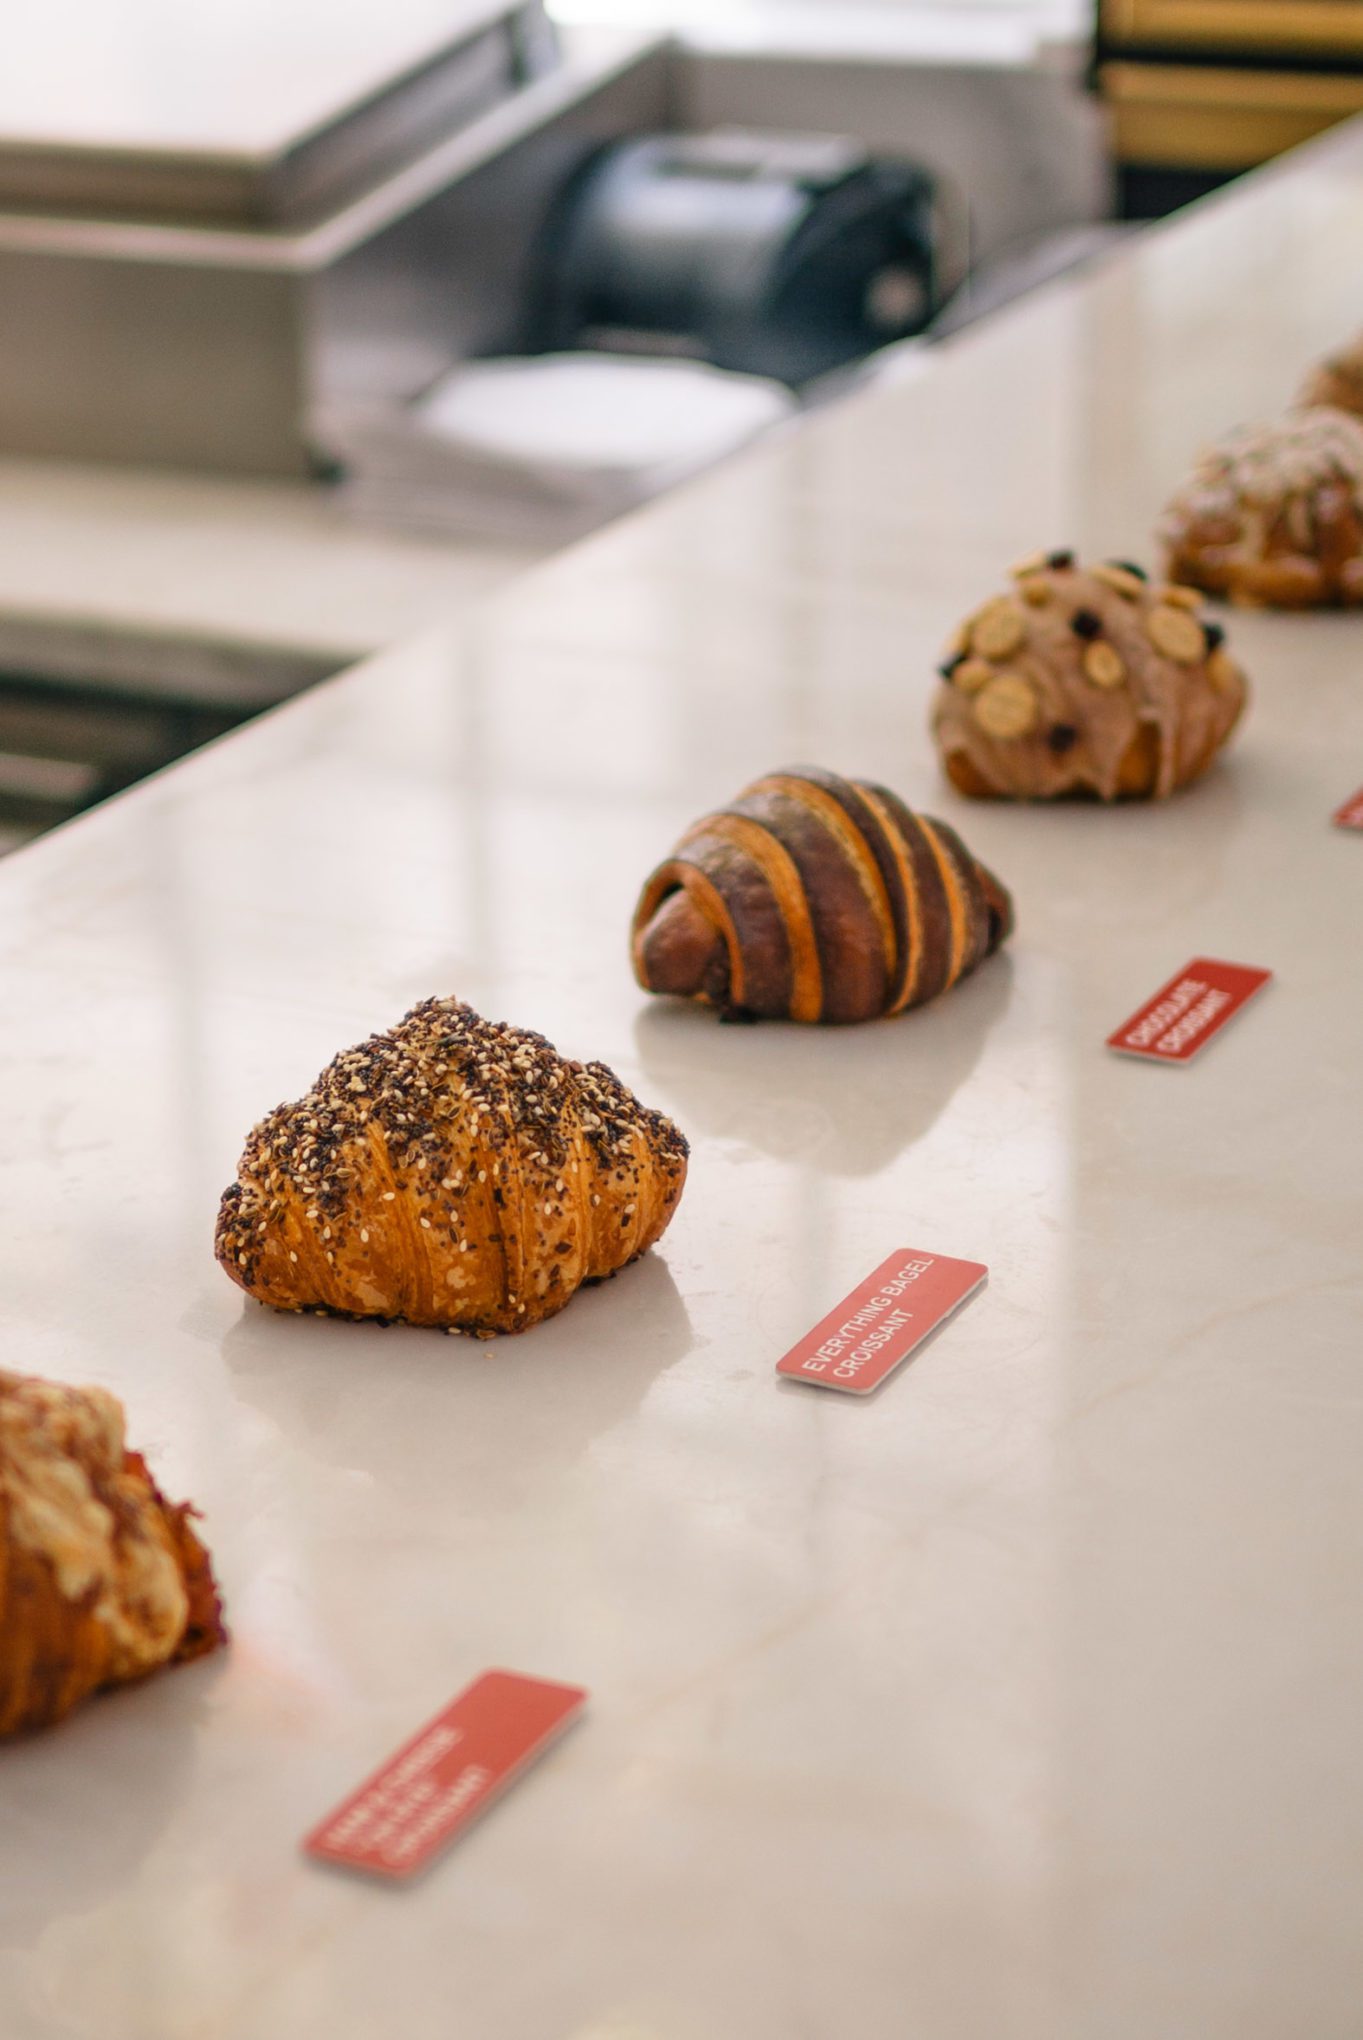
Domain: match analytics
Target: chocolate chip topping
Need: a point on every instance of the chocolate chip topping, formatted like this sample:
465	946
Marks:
1128	697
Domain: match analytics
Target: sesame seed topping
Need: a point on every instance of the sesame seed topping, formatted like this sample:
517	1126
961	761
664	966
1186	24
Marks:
442	1085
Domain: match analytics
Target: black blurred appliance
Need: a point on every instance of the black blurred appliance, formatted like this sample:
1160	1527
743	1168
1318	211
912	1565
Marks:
777	255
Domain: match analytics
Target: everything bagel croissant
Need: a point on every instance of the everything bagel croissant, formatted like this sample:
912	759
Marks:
451	1172
816	898
101	1579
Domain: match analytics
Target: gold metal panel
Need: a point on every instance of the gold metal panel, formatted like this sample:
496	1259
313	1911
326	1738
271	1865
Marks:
1306	25
1188	117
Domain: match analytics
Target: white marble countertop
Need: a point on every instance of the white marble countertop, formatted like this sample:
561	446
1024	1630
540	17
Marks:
1020	1701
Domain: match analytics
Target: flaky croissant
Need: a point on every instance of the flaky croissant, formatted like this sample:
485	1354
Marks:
816	898
101	1579
451	1172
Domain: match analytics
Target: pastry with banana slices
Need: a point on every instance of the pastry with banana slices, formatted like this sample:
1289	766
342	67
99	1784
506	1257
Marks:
1089	681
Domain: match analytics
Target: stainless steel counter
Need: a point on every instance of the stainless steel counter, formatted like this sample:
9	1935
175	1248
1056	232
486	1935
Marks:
243	81
1021	1700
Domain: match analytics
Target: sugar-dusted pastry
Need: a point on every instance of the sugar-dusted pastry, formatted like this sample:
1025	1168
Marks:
452	1172
102	1580
1085	680
1336	383
816	898
1273	515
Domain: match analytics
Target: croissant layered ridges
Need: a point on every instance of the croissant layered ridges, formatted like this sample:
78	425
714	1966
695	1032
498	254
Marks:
816	898
102	1580
450	1172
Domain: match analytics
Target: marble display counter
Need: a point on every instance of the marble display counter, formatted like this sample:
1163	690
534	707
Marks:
1021	1700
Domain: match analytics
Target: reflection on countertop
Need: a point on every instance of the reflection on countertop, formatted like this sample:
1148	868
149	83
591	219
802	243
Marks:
847	1100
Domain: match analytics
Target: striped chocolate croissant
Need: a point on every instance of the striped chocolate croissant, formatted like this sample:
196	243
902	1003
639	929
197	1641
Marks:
816	898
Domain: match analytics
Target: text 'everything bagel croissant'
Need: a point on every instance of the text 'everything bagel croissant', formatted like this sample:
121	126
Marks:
816	898
102	1580
451	1172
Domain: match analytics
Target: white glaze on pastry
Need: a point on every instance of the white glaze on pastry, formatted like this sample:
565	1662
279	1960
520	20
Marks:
69	1501
1273	514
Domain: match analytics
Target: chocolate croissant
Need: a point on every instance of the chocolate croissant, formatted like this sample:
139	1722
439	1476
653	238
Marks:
102	1580
451	1172
816	898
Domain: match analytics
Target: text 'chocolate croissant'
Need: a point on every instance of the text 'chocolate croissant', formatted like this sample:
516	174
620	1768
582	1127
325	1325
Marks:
102	1580
451	1172
816	898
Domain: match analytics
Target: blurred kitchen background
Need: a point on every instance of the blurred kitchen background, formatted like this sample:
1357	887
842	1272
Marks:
321	318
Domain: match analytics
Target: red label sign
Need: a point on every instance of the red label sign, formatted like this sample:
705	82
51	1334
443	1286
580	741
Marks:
1184	1014
875	1329
447	1775
1350	816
